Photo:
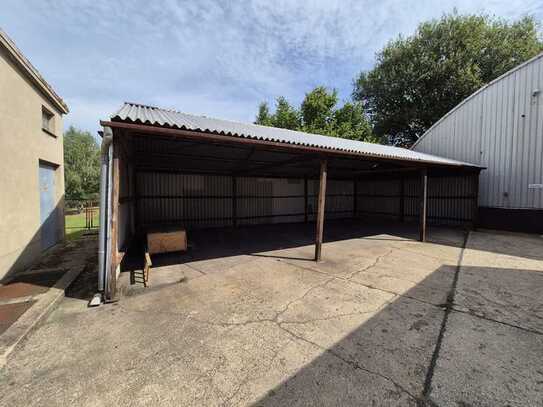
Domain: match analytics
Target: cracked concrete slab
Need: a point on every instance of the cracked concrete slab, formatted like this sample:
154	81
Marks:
483	363
268	327
502	278
400	337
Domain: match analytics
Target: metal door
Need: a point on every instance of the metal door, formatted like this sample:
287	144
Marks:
48	213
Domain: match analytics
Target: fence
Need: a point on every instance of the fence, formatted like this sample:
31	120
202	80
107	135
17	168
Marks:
81	215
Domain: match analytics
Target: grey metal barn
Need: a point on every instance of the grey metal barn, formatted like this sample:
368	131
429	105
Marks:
500	127
163	167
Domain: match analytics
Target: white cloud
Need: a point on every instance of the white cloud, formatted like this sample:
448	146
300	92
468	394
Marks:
210	56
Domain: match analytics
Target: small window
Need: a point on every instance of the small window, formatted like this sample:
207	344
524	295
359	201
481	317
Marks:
47	121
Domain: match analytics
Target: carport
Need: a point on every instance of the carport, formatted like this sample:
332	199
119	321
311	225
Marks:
163	167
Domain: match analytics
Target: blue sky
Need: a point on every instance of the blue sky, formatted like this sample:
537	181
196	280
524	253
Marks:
216	58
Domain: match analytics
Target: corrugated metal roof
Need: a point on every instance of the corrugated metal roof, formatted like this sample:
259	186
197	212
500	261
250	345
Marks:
137	113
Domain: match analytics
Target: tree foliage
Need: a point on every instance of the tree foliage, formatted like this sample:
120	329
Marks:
319	114
81	165
418	79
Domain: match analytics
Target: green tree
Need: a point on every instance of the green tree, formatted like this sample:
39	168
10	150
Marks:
318	110
81	164
350	122
264	117
319	114
418	79
285	116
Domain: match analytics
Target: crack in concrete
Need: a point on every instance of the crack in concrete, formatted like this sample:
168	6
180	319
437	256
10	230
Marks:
275	320
425	254
251	377
354	364
330	318
484	317
208	375
377	260
278	314
284	324
286	308
371	287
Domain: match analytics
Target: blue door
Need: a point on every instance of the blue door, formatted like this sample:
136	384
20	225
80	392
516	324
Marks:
48	213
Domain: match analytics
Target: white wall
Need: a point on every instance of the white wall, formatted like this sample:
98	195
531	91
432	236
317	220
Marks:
499	127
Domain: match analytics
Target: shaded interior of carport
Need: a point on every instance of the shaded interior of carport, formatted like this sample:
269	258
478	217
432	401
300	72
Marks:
164	176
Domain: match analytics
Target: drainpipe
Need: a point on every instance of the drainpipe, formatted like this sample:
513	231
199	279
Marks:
104	259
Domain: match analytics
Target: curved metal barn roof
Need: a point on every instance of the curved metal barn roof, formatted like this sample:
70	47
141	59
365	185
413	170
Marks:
155	116
474	94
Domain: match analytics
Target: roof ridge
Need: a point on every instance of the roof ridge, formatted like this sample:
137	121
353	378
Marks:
235	121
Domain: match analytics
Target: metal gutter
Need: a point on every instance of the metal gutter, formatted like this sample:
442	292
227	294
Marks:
104	238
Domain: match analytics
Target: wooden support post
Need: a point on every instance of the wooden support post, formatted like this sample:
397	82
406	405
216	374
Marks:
401	211
305	200
320	210
423	205
355	197
136	203
235	202
131	194
111	293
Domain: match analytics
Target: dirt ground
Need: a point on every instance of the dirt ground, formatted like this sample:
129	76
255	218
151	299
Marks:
246	318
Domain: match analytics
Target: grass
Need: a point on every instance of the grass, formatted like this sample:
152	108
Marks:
75	224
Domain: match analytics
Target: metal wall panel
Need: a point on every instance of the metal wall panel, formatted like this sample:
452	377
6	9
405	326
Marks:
339	199
270	200
379	197
189	200
196	201
450	199
499	127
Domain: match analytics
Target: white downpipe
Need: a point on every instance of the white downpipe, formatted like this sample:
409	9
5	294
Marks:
104	246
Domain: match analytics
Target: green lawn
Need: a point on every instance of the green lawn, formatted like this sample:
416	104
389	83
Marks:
75	224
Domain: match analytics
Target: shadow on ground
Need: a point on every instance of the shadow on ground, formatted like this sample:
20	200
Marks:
52	265
382	321
206	244
410	353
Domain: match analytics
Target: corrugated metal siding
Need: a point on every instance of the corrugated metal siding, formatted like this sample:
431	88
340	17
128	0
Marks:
270	200
339	199
198	201
380	197
450	199
500	128
189	200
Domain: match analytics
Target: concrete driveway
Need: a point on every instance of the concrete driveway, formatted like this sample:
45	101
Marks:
384	320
